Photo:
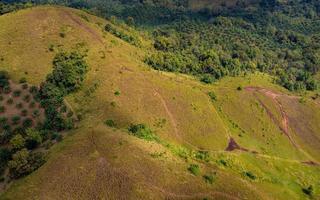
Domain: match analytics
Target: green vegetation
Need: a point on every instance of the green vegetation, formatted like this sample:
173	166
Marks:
122	35
181	127
69	69
216	41
142	131
194	169
110	123
209	178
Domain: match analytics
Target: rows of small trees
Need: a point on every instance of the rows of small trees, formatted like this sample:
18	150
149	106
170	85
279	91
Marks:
17	146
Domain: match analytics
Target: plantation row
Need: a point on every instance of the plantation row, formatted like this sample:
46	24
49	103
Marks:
32	118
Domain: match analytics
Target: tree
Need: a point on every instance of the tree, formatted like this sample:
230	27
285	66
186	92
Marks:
23	163
17	142
33	138
68	71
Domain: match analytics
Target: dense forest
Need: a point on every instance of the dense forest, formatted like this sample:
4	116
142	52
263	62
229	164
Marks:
277	37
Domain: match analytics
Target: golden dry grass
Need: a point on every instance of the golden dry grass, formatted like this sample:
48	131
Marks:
97	162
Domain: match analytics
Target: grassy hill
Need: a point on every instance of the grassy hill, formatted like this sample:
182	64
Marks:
274	149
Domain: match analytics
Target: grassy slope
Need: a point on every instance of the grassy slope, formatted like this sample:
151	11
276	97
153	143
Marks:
96	161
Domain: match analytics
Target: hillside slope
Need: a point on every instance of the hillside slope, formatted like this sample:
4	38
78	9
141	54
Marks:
257	143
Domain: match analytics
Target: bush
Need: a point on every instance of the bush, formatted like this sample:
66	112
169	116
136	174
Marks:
239	88
4	79
5	155
17	93
27	98
23	163
2	109
22	80
194	169
308	191
143	132
25	86
117	93
33	138
16	119
33	90
24	112
110	123
10	101
207	78
17	142
36	113
27	123
6	89
3	121
209	178
250	175
1	98
212	96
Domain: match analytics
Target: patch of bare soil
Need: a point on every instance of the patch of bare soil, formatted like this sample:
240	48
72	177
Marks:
233	145
284	124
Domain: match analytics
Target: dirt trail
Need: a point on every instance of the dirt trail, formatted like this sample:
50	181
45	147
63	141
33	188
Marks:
172	119
284	125
76	20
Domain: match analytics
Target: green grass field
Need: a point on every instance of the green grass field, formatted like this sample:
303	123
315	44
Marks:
95	161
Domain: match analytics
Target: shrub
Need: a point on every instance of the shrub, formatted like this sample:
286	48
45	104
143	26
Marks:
16	119
212	96
22	80
3	121
27	98
36	113
117	93
143	132
110	123
19	105
250	175
17	142
17	93
25	86
10	101
23	163
203	155
1	98
33	138
7	89
5	136
5	155
2	109
308	191
69	124
24	112
239	88
4	79
62	34
207	78
27	123
209	178
194	169
33	90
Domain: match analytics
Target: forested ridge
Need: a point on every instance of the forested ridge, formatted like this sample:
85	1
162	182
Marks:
277	37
